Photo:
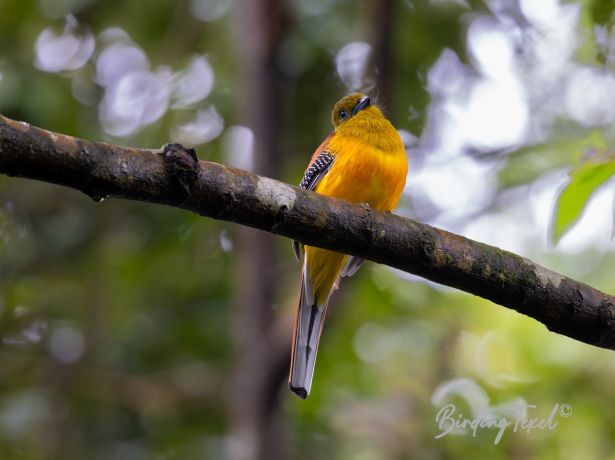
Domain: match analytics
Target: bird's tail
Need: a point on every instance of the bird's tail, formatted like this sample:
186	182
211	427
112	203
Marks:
308	327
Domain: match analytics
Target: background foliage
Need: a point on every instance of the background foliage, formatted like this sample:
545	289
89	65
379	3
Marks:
120	323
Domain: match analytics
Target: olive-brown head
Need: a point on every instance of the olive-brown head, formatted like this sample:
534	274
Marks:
352	107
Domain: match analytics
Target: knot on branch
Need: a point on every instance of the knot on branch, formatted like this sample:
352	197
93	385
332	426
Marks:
182	165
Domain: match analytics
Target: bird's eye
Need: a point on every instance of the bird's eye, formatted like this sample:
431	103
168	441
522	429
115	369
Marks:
343	115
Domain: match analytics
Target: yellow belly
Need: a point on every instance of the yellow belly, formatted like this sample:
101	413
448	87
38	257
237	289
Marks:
360	174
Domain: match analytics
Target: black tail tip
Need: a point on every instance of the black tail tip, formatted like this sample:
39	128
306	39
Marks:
299	391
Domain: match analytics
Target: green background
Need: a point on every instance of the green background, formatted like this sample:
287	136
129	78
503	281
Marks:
125	328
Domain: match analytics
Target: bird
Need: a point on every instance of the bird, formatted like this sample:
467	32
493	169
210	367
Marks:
363	161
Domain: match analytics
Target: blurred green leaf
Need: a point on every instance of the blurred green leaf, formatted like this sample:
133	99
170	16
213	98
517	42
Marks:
564	150
584	180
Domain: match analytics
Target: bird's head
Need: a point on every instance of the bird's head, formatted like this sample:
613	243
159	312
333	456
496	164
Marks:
352	107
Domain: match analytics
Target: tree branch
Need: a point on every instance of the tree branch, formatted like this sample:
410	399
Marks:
172	176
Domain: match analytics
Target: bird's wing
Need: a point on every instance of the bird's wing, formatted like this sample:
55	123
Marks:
317	170
320	163
319	166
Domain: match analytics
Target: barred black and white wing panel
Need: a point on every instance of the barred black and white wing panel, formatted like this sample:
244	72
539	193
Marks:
317	170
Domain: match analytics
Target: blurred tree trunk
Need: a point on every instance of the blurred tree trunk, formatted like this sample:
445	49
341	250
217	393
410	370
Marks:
255	427
382	41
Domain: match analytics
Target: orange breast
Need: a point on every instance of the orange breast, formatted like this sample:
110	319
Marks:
361	173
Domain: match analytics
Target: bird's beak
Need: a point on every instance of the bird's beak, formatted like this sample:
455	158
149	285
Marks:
363	102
